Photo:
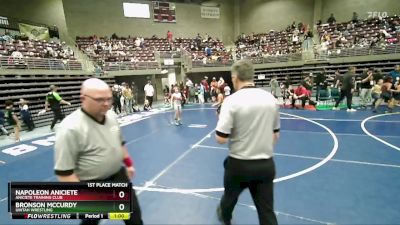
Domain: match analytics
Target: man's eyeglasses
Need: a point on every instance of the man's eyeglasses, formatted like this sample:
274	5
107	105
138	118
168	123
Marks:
101	100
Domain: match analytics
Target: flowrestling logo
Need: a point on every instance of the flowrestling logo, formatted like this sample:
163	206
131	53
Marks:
377	14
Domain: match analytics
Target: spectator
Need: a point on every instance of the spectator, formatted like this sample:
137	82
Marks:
12	119
146	106
321	83
214	87
354	19
128	96
2	129
301	93
347	90
116	93
376	92
337	81
366	85
137	43
395	74
227	91
135	91
201	93
331	19
26	115
149	93
189	83
197	92
6	37
274	86
206	89
169	36
308	82
18	58
377	75
221	83
167	95
192	94
208	51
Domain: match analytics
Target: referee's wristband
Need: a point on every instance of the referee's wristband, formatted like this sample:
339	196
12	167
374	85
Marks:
128	161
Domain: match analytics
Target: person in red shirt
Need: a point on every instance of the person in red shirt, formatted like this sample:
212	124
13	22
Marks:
169	36
206	89
301	93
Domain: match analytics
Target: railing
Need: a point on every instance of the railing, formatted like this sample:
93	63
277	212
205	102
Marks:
116	66
170	55
357	51
276	58
187	59
211	63
9	62
255	60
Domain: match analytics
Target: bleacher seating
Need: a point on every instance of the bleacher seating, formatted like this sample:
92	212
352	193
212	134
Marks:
37	54
373	32
106	51
267	44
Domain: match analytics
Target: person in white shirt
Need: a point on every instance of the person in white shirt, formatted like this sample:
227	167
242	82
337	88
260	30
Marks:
137	42
189	83
227	90
221	82
149	93
25	114
176	101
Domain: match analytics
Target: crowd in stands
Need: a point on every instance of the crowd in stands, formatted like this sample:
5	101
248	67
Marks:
368	33
18	48
273	43
138	49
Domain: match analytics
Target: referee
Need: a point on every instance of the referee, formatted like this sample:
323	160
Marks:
90	147
249	119
54	100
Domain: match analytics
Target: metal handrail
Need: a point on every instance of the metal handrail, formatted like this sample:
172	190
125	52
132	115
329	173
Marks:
116	66
255	60
357	51
10	62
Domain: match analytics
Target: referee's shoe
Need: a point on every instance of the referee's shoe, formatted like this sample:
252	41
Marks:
220	218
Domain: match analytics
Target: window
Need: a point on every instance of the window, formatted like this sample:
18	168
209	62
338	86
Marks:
137	10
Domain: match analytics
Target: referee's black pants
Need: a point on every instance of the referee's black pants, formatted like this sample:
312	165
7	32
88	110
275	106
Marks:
136	216
348	95
58	115
258	176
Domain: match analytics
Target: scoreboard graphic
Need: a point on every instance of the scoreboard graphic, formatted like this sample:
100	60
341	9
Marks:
164	12
59	200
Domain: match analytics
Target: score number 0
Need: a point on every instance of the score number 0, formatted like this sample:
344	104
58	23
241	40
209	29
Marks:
121	195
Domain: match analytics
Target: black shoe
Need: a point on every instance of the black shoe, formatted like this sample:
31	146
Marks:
219	215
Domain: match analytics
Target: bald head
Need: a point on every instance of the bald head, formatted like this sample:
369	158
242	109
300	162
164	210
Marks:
96	97
93	85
